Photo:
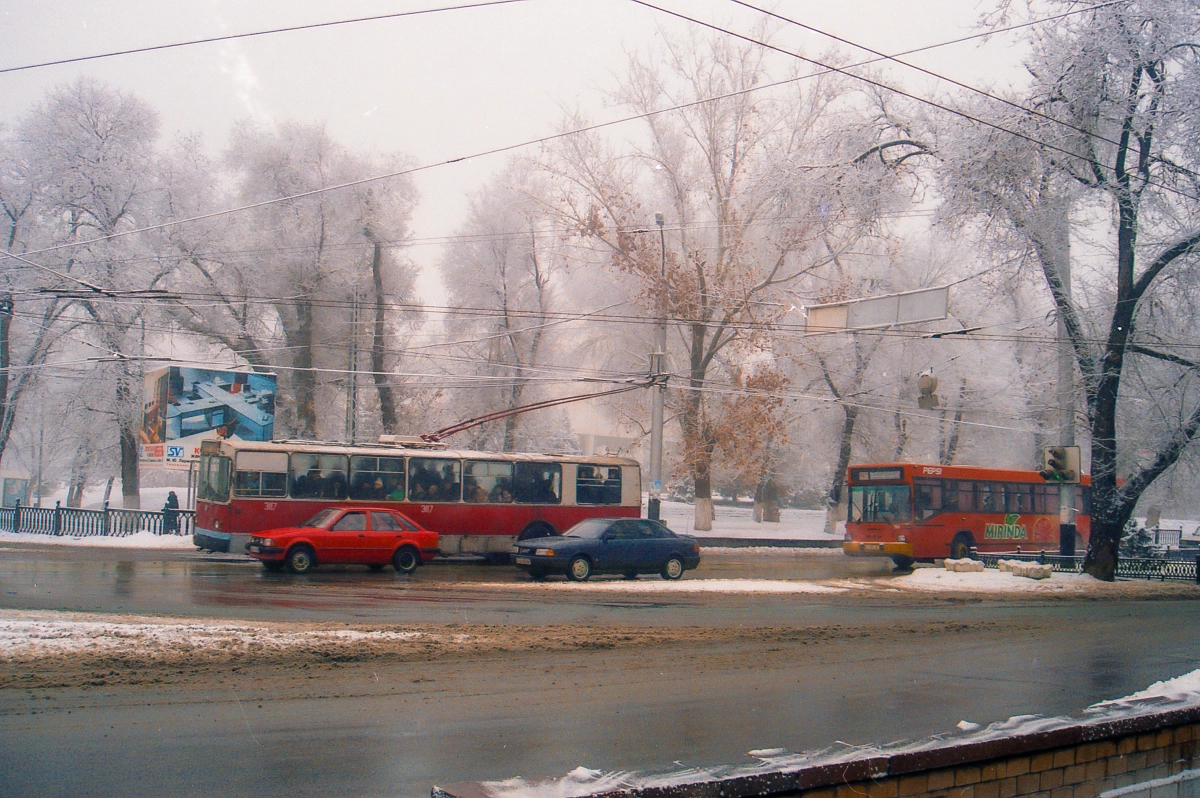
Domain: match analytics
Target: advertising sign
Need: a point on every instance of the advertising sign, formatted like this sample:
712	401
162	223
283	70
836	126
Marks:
184	406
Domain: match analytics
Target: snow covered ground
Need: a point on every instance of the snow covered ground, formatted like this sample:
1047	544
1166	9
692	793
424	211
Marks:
738	522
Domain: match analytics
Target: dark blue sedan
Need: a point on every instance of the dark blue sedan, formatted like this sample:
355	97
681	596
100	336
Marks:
628	546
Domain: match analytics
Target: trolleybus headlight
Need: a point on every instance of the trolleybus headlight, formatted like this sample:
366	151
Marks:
902	538
544	552
847	537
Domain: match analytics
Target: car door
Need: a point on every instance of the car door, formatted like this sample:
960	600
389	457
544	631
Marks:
620	549
346	539
386	534
660	542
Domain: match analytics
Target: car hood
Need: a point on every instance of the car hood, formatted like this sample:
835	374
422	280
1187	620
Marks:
553	542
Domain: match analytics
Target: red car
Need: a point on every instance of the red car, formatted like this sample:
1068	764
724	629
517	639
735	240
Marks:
372	536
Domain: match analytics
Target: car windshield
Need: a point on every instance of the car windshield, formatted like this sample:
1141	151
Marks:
591	528
321	519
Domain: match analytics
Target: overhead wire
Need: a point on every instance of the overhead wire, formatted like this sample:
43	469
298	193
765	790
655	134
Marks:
252	34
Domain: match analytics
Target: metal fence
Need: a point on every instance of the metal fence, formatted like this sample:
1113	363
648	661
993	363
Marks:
108	522
1127	567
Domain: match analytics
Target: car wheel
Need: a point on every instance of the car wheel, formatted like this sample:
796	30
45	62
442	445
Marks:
579	569
406	560
376	566
301	560
673	570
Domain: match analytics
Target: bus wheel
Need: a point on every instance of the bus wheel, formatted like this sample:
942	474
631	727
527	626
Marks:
406	560
301	560
538	529
579	569
960	547
903	563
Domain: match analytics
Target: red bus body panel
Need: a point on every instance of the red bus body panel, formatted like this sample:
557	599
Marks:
930	538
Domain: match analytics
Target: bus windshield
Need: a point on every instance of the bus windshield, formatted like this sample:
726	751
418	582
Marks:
883	504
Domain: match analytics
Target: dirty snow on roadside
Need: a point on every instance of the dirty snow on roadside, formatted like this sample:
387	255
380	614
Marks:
142	540
682	586
23	638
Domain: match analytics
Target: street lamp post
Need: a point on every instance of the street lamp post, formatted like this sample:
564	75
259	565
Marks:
657	392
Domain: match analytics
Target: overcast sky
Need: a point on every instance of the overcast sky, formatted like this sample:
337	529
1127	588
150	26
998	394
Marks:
436	86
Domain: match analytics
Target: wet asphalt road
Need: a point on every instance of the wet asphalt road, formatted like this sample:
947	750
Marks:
397	729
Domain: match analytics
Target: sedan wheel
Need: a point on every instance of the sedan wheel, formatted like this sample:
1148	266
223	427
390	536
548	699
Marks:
406	561
579	570
300	560
673	569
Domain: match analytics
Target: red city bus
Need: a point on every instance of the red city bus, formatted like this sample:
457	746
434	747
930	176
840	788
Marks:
920	512
477	502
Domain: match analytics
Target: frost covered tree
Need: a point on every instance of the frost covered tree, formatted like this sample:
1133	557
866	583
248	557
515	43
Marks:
503	273
752	183
88	159
1110	142
281	278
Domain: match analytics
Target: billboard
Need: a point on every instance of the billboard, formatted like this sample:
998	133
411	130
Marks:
184	406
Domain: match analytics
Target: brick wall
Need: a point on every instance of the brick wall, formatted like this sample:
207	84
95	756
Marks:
1138	754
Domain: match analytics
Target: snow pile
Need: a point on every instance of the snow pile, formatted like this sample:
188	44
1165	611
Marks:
936	579
141	540
964	566
1178	693
1032	570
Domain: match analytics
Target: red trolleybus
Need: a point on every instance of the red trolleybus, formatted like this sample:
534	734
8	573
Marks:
477	502
919	512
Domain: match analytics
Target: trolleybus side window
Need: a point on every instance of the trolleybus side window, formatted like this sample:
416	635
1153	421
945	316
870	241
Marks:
318	476
486	481
596	484
377	478
261	474
538	483
434	479
214	479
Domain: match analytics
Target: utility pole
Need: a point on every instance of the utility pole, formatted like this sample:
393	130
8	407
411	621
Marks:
659	388
1066	382
352	375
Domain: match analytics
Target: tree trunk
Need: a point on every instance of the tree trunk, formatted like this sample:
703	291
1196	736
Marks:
127	403
304	379
6	307
387	401
834	499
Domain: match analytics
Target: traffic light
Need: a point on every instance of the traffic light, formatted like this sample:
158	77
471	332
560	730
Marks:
1060	464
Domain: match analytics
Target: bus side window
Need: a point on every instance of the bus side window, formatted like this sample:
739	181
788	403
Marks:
950	495
928	498
966	497
598	484
1019	497
538	483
